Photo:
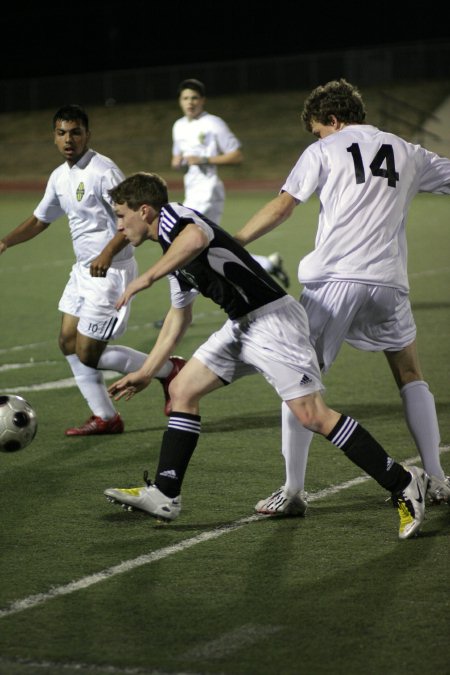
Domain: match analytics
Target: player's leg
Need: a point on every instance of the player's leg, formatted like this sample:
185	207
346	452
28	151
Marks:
421	418
162	498
290	499
75	325
127	360
330	308
90	381
407	487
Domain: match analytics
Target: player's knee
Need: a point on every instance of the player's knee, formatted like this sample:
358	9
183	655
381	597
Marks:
88	357
67	344
181	393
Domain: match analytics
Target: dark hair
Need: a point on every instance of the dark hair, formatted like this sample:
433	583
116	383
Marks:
196	85
338	98
141	188
71	113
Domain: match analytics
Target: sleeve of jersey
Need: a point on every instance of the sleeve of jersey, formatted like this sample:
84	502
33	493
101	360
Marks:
435	174
180	298
49	208
176	150
109	180
303	180
226	140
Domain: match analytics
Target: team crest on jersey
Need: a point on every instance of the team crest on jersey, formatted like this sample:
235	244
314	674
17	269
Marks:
201	137
80	192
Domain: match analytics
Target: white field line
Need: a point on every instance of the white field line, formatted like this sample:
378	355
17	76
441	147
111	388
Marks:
429	273
160	554
28	364
57	384
231	641
36	266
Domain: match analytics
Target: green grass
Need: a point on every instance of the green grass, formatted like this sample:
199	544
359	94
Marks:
138	136
336	592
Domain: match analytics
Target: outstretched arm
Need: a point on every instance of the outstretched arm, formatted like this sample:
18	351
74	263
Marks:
30	228
268	218
187	246
174	327
233	157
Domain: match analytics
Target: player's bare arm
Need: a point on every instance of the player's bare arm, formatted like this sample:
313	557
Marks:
186	247
233	157
102	263
175	325
177	162
30	228
268	218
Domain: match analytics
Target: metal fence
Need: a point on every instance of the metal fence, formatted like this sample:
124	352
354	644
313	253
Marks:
370	66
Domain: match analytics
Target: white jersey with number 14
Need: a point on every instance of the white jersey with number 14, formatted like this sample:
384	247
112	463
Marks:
357	174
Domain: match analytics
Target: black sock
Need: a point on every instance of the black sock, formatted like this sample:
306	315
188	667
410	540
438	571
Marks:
178	444
364	451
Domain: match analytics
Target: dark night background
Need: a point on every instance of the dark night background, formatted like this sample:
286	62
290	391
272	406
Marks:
55	39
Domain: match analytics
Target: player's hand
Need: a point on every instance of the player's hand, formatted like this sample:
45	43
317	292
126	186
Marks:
100	266
194	160
128	386
3	247
133	287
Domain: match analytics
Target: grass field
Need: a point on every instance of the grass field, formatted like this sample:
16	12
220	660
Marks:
89	588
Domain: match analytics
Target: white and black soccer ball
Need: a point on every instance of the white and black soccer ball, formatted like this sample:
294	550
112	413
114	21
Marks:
18	423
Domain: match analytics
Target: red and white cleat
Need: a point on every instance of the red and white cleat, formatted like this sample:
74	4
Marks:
96	425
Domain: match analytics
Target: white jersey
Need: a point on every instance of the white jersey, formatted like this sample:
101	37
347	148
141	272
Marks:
81	193
205	136
365	180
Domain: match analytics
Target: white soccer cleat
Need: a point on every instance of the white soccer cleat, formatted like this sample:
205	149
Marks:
280	503
148	498
410	503
438	490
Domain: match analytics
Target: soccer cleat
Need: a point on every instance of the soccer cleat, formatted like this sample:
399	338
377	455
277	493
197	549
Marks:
280	503
96	425
148	499
410	503
438	490
177	362
278	270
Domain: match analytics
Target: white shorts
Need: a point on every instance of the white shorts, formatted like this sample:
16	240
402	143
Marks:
370	318
93	299
206	197
274	341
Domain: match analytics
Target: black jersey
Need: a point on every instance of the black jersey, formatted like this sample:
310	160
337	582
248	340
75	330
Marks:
224	271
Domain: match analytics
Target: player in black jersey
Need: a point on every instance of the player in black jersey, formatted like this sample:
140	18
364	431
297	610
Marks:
266	331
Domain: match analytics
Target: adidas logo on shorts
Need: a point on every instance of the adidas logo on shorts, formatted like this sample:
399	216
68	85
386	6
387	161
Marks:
305	380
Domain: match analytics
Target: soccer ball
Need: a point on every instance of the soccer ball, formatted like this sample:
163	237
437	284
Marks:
18	423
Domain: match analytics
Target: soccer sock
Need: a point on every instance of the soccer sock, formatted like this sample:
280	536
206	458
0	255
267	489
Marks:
364	451
295	442
127	360
178	444
92	385
421	418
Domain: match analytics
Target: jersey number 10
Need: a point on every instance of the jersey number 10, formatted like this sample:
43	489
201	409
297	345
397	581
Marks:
384	154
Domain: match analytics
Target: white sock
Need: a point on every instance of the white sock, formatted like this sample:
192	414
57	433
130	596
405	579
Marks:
127	360
92	385
264	262
420	413
295	442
